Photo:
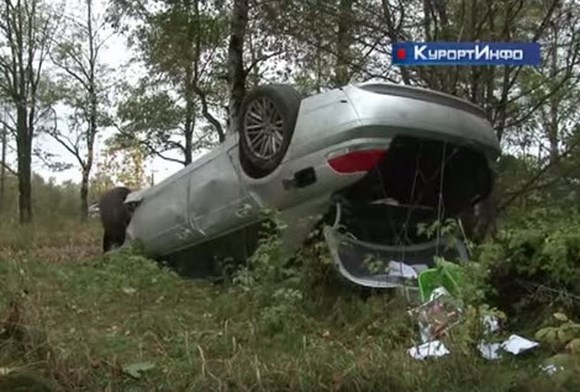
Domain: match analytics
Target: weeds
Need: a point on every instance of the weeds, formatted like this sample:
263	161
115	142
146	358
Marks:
533	265
122	322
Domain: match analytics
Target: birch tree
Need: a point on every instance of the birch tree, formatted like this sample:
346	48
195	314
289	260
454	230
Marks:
27	28
82	87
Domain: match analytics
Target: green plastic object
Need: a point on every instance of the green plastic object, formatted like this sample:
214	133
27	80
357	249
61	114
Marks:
446	274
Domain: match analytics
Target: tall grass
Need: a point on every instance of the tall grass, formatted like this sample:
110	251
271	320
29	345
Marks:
81	322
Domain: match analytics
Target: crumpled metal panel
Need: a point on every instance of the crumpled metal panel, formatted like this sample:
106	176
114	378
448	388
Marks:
218	201
207	201
161	222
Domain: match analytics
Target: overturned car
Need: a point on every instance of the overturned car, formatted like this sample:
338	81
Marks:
369	161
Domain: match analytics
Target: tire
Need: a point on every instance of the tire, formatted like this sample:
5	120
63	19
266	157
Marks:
263	142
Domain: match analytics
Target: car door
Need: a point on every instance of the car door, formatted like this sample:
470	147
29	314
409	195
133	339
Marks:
219	203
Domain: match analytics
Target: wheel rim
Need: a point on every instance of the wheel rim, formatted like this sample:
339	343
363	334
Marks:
264	128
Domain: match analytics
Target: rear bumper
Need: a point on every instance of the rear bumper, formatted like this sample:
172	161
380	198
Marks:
382	266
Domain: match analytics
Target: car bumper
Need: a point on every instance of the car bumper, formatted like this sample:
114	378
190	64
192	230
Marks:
381	266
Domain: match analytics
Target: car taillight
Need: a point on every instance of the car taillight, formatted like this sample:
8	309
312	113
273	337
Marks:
356	161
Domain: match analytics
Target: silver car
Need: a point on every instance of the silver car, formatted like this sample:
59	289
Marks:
368	162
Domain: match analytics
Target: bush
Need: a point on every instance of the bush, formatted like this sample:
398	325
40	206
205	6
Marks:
534	263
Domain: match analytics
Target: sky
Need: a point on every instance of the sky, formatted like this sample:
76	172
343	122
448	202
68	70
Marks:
115	54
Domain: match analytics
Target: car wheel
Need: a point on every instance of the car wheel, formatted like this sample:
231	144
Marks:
268	118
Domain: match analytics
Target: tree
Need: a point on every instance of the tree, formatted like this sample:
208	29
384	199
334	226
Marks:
328	43
197	77
26	31
82	88
343	42
4	168
554	86
236	68
179	44
122	165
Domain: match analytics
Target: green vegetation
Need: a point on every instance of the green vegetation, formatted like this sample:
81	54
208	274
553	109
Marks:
124	323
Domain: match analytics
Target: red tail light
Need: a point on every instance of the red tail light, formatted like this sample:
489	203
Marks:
356	161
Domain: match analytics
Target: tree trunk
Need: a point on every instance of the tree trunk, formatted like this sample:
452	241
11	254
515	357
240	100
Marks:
24	150
188	133
236	71
190	82
394	35
343	40
86	169
3	170
553	128
85	195
427	19
189	127
255	53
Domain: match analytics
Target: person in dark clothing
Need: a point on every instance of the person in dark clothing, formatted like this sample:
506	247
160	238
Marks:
115	217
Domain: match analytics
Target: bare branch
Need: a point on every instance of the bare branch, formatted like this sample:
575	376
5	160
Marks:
148	146
540	102
529	184
10	128
70	72
9	169
177	145
262	59
209	117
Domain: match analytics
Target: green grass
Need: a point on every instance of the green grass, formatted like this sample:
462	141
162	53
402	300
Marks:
82	325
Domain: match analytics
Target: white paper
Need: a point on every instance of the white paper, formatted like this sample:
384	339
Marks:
402	270
517	345
490	323
490	351
430	349
438	292
424	333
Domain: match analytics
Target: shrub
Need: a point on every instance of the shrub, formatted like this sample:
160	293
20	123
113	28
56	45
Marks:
534	262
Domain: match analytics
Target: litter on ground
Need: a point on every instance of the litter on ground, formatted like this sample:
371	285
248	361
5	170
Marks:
440	311
514	344
490	323
437	315
517	345
429	349
490	351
